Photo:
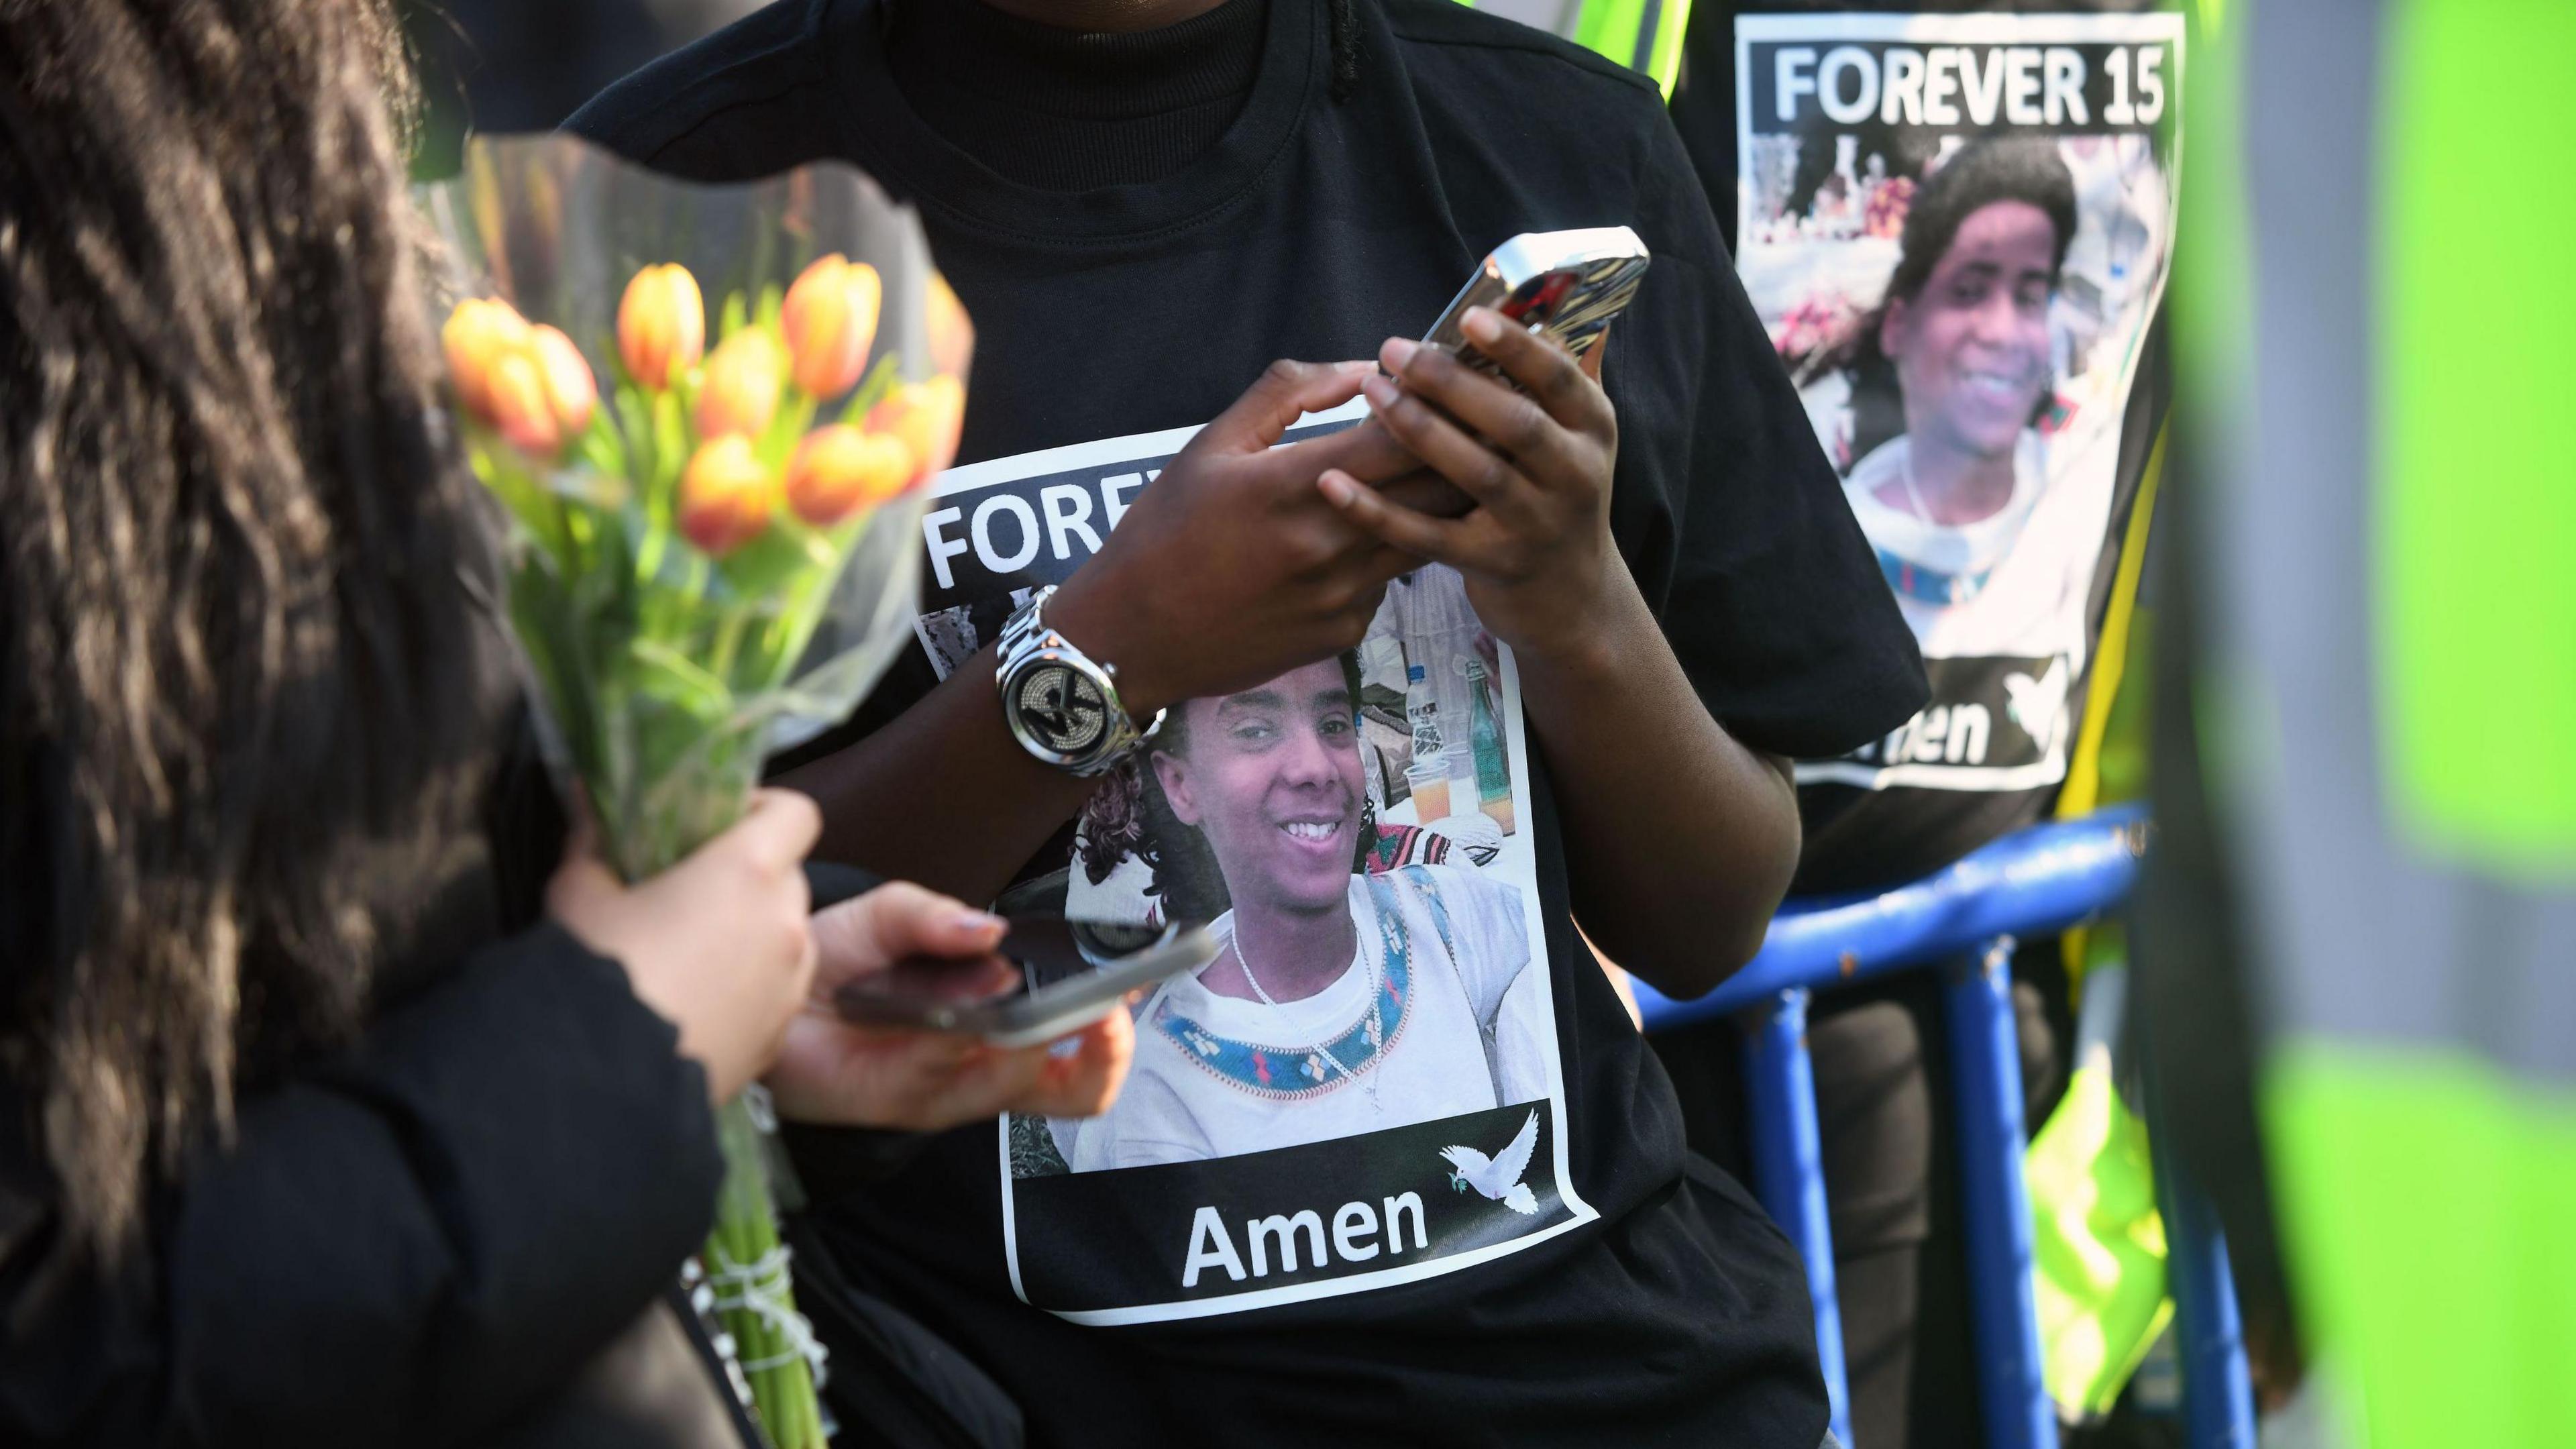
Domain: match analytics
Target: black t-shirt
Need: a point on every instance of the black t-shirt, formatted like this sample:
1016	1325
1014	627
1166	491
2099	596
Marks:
1668	1309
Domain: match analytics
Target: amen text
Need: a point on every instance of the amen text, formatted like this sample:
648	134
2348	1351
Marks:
1275	1239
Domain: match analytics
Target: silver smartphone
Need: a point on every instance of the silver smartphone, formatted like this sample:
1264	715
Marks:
1051	976
1566	285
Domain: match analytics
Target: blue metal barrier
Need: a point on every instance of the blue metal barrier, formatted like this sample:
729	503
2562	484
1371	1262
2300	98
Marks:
2003	1309
2038	881
2217	1389
1789	1174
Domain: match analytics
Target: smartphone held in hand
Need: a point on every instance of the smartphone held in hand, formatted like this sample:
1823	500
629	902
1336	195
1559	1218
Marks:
1051	976
1567	286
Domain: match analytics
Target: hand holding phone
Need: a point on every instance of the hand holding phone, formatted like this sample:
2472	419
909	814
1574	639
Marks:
1496	401
1566	286
833	1073
1050	976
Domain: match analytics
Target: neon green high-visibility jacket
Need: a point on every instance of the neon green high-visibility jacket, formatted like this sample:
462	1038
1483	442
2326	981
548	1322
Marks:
1643	35
2372	348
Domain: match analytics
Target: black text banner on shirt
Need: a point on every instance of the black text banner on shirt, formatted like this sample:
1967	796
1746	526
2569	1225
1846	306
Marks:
1290	1222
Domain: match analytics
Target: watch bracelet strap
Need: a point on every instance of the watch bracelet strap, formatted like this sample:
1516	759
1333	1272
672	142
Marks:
1027	629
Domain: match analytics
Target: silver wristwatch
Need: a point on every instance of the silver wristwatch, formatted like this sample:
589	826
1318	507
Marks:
1061	705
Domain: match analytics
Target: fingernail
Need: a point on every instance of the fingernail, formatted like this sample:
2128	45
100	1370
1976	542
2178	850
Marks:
1336	488
1396	353
1481	325
978	923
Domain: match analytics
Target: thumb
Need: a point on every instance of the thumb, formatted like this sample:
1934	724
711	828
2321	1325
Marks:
896	920
778	828
1284	391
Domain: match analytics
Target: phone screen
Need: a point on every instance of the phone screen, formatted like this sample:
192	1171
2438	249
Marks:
1049	976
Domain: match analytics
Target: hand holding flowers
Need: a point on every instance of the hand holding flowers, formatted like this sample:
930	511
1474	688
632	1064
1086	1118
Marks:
712	538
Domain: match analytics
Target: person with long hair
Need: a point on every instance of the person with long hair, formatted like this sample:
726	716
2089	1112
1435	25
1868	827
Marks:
341	1100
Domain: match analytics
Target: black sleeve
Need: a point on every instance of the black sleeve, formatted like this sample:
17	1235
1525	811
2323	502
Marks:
408	1244
1731	518
1704	106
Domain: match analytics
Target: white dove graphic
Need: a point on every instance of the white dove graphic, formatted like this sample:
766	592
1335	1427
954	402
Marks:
1498	1178
2039	705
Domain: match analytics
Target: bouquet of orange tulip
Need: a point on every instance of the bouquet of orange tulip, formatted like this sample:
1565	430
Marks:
714	553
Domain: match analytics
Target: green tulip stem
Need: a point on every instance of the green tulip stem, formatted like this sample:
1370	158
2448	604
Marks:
728	642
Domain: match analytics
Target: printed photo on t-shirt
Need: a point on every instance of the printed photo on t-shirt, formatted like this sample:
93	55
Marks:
1363	1087
1957	229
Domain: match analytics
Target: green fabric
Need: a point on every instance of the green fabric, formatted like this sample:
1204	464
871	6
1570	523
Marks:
2098	1263
2476	504
2212	301
2123	767
2212	291
2427	1200
2424	1195
1617	29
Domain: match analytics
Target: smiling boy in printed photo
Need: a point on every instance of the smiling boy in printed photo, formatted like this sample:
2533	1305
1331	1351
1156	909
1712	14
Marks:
1355	1002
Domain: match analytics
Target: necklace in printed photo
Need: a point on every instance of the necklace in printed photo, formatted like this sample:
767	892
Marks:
1368	1084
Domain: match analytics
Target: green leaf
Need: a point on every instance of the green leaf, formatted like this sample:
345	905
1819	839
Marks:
768	566
599	448
786	430
666	674
506	473
733	316
880	380
670	443
635	427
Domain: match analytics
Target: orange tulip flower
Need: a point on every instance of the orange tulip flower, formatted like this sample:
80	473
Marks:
739	393
726	497
520	409
661	325
927	416
840	469
479	333
571	392
830	318
952	336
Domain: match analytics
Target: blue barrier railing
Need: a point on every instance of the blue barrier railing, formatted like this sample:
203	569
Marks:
1965	919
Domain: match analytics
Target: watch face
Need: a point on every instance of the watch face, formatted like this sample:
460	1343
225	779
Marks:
1061	709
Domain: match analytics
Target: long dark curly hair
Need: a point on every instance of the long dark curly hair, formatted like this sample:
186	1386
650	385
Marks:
235	637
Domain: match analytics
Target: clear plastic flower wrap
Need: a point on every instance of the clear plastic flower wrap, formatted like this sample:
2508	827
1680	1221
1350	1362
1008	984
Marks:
709	412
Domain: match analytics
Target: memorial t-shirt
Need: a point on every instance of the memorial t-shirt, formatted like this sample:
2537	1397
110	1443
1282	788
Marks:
1817	126
1556	1269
